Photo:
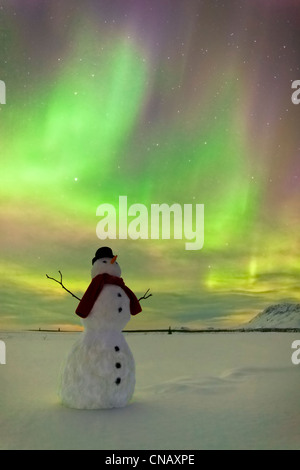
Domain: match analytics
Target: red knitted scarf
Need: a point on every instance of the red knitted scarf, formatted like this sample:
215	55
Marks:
93	291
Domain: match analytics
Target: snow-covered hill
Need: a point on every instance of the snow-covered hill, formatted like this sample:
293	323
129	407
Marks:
277	316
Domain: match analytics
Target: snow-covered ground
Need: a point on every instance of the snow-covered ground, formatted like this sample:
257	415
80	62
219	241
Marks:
193	391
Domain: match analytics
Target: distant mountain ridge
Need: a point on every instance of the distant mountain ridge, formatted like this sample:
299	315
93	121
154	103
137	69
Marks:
285	315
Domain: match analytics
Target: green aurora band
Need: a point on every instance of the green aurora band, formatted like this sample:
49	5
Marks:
83	138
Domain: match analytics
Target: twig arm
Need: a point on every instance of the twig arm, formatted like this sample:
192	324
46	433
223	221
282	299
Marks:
145	296
61	283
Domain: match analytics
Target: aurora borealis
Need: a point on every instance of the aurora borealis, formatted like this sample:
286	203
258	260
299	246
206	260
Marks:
163	102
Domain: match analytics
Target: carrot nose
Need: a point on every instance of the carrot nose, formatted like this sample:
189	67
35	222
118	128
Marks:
114	259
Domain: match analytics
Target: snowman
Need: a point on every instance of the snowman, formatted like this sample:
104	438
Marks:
100	371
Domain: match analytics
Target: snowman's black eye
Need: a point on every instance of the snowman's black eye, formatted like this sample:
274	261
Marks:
104	261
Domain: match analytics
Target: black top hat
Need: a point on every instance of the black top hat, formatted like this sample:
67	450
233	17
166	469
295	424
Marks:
104	252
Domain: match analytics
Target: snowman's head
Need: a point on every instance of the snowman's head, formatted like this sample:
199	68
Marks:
105	262
106	265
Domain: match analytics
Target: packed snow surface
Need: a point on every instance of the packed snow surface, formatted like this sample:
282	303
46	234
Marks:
193	391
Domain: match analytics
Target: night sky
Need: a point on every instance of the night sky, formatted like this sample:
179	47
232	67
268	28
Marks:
184	102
